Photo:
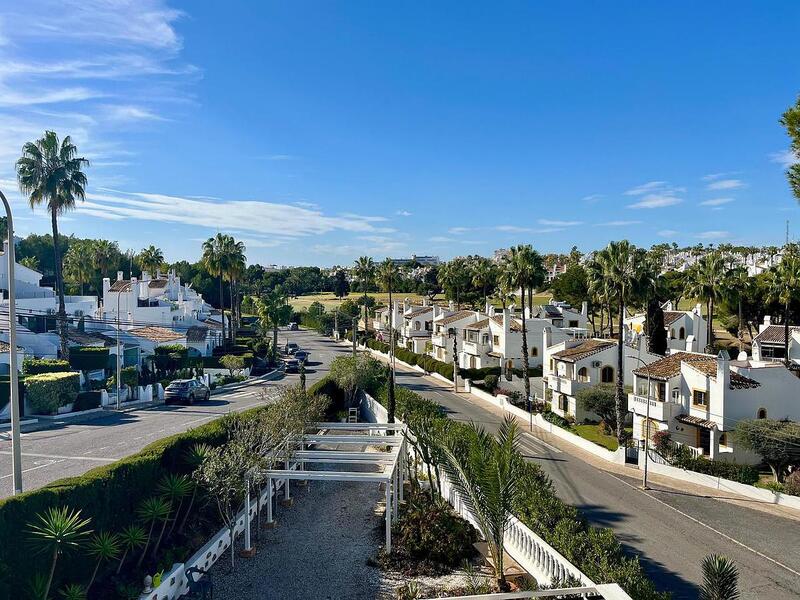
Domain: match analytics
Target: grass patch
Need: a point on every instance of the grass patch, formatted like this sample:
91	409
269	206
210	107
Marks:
592	433
329	301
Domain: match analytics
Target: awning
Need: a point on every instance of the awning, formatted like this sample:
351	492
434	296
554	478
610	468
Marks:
697	421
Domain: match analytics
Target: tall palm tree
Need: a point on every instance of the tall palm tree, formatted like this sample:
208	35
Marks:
523	268
622	266
720	578
104	254
484	275
215	262
784	283
51	173
387	275
365	272
736	286
454	277
79	263
151	259
487	474
236	263
273	311
705	282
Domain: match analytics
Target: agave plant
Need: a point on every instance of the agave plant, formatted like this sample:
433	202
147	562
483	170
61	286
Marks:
720	578
131	538
74	591
38	587
175	488
104	546
194	457
56	531
151	511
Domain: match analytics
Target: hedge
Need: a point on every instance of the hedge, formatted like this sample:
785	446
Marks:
49	391
212	362
88	358
37	366
87	400
5	389
718	468
595	551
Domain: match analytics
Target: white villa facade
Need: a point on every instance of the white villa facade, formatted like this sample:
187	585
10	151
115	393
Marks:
686	329
769	344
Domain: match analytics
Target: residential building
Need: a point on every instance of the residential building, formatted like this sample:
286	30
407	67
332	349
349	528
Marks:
699	399
561	314
769	344
417	327
574	364
687	330
448	329
425	261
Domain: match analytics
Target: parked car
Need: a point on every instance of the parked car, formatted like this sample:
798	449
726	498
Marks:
186	391
291	348
290	365
302	355
292	326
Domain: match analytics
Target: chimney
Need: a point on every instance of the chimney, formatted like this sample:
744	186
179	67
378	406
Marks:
491	310
158	273
425	301
767	323
106	285
698	308
451	305
145	276
585	308
405	304
486	307
119	276
5	246
547	337
723	370
506	321
135	288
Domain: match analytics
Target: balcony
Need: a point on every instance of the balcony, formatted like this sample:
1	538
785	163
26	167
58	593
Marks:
475	348
440	339
660	411
565	385
408	331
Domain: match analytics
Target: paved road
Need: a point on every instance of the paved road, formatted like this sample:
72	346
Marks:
671	530
71	449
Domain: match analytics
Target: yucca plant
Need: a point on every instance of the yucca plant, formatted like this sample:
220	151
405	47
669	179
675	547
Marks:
720	578
104	546
174	488
487	473
131	538
56	531
151	511
74	591
37	587
194	457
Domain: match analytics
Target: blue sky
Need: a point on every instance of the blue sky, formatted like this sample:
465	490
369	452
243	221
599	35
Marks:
319	131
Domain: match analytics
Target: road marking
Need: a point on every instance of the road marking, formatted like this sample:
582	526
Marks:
60	457
706	525
550	447
55	462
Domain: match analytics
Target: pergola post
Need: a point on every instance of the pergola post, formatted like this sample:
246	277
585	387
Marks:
402	466
247	545
394	491
388	518
270	521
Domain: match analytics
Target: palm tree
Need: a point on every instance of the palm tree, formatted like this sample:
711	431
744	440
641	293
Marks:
704	281
735	287
74	591
57	531
193	458
484	275
104	254
622	266
32	262
364	271
215	262
131	538
151	259
387	274
784	284
273	311
523	268
79	264
487	475
51	173
104	546
455	276
720	578
151	511
234	269
173	488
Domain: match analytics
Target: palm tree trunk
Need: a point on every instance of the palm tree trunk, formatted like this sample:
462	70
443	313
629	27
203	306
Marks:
62	313
711	324
222	308
274	342
233	310
188	509
786	334
94	574
525	376
741	325
122	560
619	399
52	571
391	408
146	544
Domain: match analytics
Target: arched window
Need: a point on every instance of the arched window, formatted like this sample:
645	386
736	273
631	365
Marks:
762	413
583	374
534	351
607	374
682	333
653	429
672	333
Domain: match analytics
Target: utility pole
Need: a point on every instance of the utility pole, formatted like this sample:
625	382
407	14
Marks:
355	333
455	360
647	422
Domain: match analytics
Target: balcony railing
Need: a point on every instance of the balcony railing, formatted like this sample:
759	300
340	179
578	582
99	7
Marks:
565	385
439	339
607	591
475	348
660	411
411	332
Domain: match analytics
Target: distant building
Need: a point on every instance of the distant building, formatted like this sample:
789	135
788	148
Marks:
425	261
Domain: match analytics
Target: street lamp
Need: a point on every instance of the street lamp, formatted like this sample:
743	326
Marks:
16	452
454	334
647	421
125	287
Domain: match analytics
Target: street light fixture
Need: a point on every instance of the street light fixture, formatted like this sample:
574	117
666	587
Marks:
647	421
16	452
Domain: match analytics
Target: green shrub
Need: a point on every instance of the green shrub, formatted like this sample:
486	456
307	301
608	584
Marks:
791	485
129	376
5	389
88	358
87	401
719	468
37	366
490	382
49	391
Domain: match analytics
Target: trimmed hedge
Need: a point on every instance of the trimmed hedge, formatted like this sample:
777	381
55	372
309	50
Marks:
87	400
49	391
37	366
212	362
718	468
5	390
88	358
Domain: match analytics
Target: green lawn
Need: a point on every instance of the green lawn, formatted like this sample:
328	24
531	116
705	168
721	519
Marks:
592	433
329	301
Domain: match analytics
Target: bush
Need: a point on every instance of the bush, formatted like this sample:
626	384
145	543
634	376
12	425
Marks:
555	419
718	468
88	358
49	391
87	401
491	382
37	366
791	485
480	374
5	389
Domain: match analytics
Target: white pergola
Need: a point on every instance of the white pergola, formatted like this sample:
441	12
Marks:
303	450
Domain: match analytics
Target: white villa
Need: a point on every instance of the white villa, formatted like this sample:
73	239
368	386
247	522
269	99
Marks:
416	329
769	344
447	326
686	329
699	399
561	314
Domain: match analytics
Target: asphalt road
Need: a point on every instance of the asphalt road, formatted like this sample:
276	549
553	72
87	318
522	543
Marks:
72	448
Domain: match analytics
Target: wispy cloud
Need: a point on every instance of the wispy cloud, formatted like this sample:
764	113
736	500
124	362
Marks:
655	194
716	201
656	201
440	239
403	213
131	113
785	158
725	184
593	198
713	235
556	223
617	223
306	204
459	230
667	233
512	229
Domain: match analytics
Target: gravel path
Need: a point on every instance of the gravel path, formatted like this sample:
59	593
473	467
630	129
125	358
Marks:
319	549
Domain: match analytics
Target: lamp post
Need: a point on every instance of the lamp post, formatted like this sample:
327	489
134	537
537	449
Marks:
355	333
454	334
119	361
16	451
647	422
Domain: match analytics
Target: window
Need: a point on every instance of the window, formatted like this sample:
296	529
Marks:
573	323
607	374
762	413
653	428
552	365
496	340
699	398
583	374
534	351
676	394
723	439
682	333
563	403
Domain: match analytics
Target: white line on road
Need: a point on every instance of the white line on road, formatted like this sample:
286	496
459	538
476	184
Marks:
55	462
707	526
550	447
59	457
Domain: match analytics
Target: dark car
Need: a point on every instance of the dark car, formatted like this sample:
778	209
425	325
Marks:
302	355
186	391
290	365
291	348
293	326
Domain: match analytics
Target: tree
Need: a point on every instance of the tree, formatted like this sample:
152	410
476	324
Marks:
487	474
736	287
151	259
720	579
131	538
484	276
656	331
232	363
31	262
234	270
365	272
57	531
273	311
354	374
104	546
215	262
106	253
455	277
599	399
571	286
791	121
341	287
79	263
705	282
387	275
785	287
51	173
622	267
151	511
173	488
778	443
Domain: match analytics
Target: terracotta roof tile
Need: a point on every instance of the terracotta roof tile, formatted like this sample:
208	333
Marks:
670	316
774	334
156	334
418	312
196	333
583	350
456	316
691	420
482	324
120	285
155	284
670	366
